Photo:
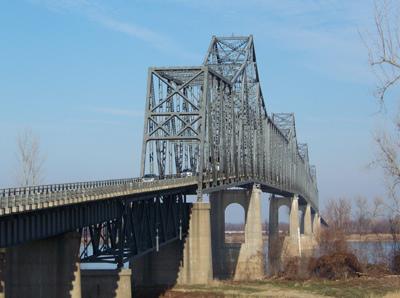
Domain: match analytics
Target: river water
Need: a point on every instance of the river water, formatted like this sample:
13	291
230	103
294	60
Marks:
366	251
372	252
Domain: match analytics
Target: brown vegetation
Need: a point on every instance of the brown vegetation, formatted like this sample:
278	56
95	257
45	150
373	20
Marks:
396	263
377	270
367	220
336	266
384	53
296	268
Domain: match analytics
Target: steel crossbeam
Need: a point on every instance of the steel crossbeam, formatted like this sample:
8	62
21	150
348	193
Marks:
212	119
209	120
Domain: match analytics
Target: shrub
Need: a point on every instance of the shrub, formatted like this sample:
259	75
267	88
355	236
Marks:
335	266
396	263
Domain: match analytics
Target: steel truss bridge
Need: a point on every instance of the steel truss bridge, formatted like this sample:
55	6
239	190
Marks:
210	120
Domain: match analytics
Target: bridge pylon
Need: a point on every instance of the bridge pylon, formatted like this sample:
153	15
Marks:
238	261
185	262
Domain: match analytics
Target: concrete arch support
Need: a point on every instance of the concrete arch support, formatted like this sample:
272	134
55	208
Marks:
316	224
243	261
250	265
307	221
294	218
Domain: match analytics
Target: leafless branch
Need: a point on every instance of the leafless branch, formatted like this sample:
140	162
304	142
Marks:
30	159
384	47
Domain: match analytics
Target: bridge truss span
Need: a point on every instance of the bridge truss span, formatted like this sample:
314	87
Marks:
212	120
206	128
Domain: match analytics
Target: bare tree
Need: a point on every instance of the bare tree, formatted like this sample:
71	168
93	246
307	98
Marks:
362	221
30	158
384	46
338	214
384	56
333	239
367	215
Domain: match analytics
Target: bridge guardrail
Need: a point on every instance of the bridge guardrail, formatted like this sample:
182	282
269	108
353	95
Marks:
31	195
19	196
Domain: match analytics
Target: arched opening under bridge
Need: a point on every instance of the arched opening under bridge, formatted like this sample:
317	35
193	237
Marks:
234	223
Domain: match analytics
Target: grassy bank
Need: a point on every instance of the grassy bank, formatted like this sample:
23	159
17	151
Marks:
388	286
357	287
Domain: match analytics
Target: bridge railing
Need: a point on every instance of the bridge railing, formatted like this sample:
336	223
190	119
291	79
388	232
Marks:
19	196
54	188
59	194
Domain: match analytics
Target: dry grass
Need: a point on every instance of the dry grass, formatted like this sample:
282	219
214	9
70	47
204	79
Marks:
387	286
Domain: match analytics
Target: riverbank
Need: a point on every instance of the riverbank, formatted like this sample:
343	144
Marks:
387	286
238	236
370	237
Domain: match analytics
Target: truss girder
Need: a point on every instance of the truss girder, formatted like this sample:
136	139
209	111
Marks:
141	226
212	119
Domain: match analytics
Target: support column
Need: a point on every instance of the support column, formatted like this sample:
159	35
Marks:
302	220
250	264
158	268
184	262
45	268
274	247
107	283
292	246
2	271
307	221
316	224
219	263
294	218
197	256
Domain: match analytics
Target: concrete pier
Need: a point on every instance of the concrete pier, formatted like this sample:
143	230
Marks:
316	224
274	241
301	239
292	245
158	268
2	273
184	262
294	218
251	265
106	283
197	256
243	261
301	223
44	268
307	221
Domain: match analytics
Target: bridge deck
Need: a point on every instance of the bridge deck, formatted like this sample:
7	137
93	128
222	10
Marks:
17	200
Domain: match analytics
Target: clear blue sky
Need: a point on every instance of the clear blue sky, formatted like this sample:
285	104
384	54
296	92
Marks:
75	72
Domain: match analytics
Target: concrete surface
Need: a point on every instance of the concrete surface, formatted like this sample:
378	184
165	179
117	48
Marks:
239	261
106	283
44	268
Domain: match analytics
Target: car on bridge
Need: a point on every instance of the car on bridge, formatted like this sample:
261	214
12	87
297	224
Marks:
149	178
187	173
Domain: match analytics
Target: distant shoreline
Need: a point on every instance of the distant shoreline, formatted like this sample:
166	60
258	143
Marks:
370	238
239	235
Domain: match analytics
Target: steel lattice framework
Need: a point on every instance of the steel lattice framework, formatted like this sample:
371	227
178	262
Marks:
142	225
212	120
